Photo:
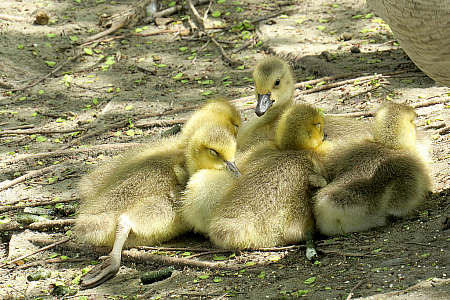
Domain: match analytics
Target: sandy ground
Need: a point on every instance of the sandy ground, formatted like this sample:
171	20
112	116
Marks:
125	85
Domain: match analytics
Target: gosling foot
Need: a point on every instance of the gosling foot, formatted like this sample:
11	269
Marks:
100	273
311	254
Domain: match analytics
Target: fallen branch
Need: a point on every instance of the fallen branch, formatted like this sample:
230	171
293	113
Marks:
40	131
13	226
139	257
29	175
354	254
338	84
430	102
95	133
16	19
61	153
19	127
162	123
45	203
350	294
52	244
443	131
46	76
50	261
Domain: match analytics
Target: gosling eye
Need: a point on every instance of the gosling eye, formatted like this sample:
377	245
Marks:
213	152
277	83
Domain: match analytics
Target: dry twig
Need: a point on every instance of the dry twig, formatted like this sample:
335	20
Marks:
34	204
29	175
12	226
51	245
40	131
46	76
140	257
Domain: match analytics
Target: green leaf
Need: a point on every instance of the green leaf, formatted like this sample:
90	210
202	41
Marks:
172	4
250	263
129	107
51	35
50	63
310	280
216	14
40	92
321	27
20	46
41	138
95	101
262	274
377	250
138	30
357	17
220	1
324	20
64	257
299	21
22	98
88	51
178	76
241	67
216	279
203	276
161	65
219	257
182	49
33	114
73	38
207	93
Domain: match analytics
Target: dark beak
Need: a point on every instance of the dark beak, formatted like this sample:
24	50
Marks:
325	136
264	103
233	169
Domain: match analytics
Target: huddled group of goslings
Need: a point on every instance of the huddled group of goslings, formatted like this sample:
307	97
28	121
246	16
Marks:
296	172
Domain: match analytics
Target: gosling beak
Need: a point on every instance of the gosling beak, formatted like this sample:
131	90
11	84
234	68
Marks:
233	169
264	103
325	136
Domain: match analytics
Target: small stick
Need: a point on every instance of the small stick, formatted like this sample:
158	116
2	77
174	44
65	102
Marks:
112	29
29	175
136	256
46	76
40	131
225	56
350	294
338	84
37	251
70	152
343	253
162	123
19	127
95	133
12	226
50	261
9	208
412	243
14	18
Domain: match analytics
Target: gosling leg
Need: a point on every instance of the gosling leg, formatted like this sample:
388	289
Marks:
311	253
111	265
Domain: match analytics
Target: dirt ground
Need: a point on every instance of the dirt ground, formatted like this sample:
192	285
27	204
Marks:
118	90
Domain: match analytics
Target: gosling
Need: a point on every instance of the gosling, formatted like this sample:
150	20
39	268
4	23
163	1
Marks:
374	177
270	204
135	200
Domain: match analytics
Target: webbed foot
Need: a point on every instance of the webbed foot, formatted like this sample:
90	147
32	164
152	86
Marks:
100	273
311	254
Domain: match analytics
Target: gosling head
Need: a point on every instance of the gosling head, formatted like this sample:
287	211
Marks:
212	147
394	126
274	83
300	127
218	111
224	113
